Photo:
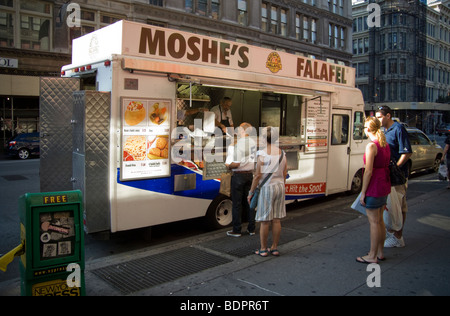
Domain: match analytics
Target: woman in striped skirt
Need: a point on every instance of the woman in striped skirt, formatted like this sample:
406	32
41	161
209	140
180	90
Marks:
271	203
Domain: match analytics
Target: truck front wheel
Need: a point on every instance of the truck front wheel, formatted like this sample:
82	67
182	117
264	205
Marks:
219	214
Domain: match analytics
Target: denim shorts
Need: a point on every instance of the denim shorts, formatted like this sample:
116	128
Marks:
375	202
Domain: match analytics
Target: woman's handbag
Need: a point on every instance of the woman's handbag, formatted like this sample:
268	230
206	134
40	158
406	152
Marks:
254	200
397	175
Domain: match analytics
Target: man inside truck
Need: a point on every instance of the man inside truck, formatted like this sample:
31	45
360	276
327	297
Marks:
222	111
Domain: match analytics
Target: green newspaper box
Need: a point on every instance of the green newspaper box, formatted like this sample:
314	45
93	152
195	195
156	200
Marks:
51	228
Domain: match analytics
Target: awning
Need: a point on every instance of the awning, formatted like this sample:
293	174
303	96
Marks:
218	77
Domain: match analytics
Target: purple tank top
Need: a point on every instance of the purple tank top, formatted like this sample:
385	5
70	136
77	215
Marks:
380	183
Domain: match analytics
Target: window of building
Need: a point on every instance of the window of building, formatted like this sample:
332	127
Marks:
35	25
402	91
402	66
336	38
313	30
6	29
363	70
264	18
393	91
336	6
7	3
382	67
393	40
202	7
215	9
283	22
305	28
159	3
209	8
274	20
242	12
393	69
330	35
189	6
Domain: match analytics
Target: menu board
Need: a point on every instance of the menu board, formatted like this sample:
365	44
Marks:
145	138
317	122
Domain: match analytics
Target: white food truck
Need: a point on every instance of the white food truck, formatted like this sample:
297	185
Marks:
132	81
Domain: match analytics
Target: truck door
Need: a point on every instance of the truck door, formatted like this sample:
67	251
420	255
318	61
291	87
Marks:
56	106
339	152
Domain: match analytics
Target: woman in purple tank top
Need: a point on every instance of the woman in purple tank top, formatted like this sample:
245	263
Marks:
376	188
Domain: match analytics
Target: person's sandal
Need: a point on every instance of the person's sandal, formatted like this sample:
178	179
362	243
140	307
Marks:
262	253
274	252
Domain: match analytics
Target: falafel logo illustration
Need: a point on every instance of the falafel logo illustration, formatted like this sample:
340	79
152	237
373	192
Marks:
274	62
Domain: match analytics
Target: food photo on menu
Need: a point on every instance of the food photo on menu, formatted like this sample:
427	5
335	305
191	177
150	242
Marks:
135	113
145	138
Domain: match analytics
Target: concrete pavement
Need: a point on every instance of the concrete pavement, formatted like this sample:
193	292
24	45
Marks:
320	263
318	251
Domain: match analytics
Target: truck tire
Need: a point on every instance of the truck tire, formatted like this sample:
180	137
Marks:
357	182
219	214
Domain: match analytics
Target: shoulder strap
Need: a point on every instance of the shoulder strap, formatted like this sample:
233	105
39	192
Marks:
268	176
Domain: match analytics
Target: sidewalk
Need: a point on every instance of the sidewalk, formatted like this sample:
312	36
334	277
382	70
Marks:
318	252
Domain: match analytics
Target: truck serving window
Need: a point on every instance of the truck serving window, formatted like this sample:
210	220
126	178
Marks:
258	108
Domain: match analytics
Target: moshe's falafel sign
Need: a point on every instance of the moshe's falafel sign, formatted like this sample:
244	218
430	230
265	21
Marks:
146	41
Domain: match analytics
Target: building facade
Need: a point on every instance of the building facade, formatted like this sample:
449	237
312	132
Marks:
36	36
403	60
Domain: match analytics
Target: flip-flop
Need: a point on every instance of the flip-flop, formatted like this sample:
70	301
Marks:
379	259
364	261
262	253
274	252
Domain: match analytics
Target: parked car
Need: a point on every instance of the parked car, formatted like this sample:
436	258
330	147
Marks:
24	145
443	129
427	154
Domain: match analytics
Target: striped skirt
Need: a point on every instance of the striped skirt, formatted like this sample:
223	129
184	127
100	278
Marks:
271	202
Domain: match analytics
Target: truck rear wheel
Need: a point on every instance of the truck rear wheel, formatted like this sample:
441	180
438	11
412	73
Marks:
219	214
357	182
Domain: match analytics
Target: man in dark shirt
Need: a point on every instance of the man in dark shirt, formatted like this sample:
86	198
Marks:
398	140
